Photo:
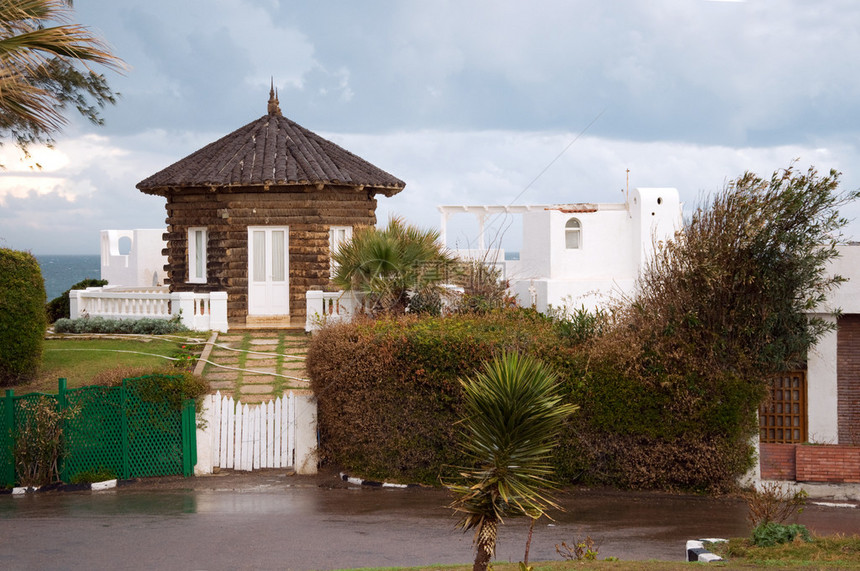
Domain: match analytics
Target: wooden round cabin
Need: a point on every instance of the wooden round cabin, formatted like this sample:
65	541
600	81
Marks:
256	214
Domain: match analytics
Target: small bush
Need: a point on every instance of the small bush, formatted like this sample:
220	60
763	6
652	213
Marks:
58	308
39	440
99	474
113	377
773	503
22	316
770	534
172	389
146	326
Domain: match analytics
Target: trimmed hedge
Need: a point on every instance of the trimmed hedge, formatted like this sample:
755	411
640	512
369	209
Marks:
22	316
145	326
389	400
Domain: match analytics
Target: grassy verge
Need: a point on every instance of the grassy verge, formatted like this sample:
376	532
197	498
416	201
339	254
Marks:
83	361
825	552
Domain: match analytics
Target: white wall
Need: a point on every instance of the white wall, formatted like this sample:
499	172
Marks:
616	239
821	361
142	266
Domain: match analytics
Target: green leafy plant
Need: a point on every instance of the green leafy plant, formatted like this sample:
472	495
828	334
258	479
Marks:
171	389
512	417
100	474
145	326
772	533
392	265
39	440
186	357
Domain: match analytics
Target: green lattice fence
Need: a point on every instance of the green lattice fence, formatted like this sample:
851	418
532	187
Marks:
113	428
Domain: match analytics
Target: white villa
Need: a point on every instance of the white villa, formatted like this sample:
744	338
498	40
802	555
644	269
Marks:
577	253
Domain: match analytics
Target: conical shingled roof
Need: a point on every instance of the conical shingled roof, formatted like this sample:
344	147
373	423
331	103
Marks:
271	151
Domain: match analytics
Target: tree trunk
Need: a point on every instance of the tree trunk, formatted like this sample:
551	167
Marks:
485	544
529	542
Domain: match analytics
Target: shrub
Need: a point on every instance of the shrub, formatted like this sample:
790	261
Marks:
22	316
145	326
99	474
774	503
39	440
172	389
58	308
772	533
388	399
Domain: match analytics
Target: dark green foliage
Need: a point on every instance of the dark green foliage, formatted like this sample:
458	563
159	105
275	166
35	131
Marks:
58	308
392	265
729	293
172	389
512	417
92	475
389	400
146	326
772	533
22	316
668	383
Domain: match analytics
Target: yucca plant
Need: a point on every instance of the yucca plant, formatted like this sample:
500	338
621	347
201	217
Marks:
390	265
513	416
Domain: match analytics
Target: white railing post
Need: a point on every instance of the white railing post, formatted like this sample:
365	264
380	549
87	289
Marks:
313	309
218	311
75	303
183	305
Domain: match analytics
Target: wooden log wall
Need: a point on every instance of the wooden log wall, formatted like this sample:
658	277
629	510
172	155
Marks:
227	213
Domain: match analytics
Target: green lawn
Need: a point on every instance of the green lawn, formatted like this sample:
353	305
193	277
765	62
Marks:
83	361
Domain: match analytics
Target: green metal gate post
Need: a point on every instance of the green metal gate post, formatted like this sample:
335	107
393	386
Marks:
125	444
189	438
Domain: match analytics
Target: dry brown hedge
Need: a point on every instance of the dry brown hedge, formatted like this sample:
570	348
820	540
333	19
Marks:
389	401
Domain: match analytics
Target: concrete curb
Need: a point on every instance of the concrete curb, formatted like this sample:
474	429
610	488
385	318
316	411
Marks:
94	486
205	353
697	552
374	484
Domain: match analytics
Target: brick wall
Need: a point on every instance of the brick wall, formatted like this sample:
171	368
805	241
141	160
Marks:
827	463
848	379
777	461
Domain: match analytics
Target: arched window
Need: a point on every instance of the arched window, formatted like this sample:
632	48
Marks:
573	234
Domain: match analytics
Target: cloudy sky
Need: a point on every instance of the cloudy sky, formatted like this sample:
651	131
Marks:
469	102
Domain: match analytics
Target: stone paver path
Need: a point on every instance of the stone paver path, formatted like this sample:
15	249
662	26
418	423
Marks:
257	365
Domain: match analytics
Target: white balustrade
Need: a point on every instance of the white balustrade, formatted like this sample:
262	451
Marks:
329	306
197	311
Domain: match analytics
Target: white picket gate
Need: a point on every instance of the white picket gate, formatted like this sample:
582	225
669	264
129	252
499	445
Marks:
249	437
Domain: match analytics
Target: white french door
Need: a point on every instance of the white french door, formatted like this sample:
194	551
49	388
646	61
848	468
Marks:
268	270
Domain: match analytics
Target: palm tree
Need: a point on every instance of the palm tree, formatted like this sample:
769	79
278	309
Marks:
513	415
391	266
39	53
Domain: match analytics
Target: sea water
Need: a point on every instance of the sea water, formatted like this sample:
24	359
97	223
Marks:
62	272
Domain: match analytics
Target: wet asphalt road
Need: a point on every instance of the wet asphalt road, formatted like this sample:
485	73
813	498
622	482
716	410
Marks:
290	523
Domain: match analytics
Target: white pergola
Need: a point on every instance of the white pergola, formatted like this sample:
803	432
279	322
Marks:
480	212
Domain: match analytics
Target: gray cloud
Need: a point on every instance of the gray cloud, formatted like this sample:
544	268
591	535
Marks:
466	101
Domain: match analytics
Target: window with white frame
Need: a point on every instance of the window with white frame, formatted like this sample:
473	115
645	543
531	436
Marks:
337	235
197	255
573	234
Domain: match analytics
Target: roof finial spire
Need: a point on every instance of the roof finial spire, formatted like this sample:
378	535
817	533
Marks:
274	107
